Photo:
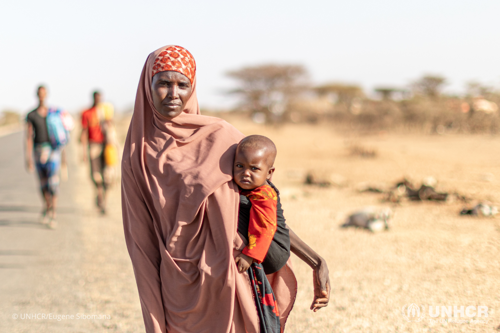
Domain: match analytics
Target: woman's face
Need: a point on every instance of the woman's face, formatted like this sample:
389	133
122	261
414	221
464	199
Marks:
171	91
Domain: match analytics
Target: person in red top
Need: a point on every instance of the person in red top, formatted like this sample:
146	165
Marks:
93	141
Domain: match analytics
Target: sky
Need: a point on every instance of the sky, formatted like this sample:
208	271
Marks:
77	47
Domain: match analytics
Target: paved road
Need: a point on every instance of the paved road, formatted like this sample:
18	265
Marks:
45	271
39	268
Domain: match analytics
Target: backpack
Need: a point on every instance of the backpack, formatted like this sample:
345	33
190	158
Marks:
58	134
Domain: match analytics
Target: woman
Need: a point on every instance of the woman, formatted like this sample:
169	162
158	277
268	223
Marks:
180	211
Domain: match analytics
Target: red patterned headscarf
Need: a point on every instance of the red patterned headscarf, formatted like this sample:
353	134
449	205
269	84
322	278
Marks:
175	58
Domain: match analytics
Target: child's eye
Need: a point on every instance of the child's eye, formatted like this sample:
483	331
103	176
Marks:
255	169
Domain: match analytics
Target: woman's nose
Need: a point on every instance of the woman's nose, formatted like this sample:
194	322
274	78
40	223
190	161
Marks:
173	92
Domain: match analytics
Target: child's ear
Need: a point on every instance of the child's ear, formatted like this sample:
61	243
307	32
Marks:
270	173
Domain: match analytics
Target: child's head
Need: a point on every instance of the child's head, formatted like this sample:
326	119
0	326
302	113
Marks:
253	162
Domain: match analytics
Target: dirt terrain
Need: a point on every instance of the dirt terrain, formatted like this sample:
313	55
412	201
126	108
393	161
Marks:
431	256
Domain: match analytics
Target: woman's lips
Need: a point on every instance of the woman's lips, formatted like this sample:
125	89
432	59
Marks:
171	105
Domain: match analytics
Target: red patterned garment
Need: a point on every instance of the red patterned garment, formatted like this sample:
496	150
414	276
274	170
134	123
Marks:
263	221
175	58
265	300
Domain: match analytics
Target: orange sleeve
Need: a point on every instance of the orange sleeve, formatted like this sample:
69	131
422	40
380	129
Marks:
263	221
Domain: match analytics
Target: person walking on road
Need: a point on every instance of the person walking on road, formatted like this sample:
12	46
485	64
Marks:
44	140
93	139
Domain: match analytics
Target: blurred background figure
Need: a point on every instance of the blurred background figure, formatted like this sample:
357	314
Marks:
47	132
99	146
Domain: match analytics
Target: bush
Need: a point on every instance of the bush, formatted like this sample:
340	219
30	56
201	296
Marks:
10	118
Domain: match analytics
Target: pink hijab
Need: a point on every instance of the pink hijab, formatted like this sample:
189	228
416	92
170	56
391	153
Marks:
180	213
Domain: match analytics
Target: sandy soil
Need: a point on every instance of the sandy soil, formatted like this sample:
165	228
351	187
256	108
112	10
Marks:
108	281
430	257
107	275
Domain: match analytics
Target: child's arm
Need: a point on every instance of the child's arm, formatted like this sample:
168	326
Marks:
321	279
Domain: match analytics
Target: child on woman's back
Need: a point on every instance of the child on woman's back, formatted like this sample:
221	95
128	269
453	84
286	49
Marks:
253	167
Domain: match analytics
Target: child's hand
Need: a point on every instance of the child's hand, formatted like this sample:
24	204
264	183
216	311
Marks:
243	262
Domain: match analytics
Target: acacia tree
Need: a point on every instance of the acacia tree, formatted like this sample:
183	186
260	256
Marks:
476	89
269	88
343	94
429	86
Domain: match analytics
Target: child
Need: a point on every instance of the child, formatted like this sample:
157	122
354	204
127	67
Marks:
260	219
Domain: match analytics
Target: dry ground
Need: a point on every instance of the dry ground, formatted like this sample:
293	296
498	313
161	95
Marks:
431	256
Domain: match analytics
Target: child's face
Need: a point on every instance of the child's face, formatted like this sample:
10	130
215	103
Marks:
251	168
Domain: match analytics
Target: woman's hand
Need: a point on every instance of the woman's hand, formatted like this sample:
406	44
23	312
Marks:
321	281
